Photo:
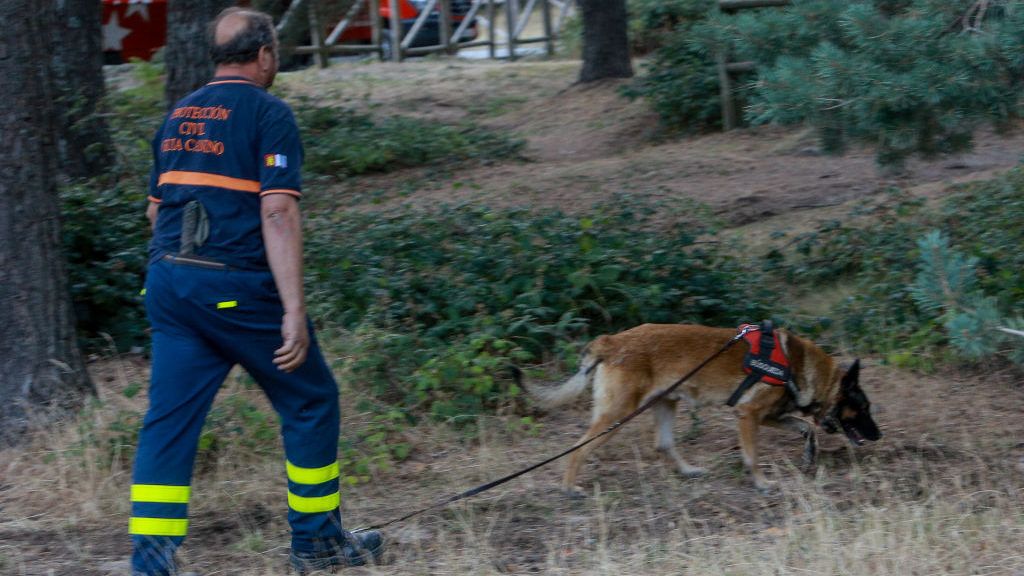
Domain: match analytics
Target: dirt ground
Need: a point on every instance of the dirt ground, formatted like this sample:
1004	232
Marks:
941	493
587	143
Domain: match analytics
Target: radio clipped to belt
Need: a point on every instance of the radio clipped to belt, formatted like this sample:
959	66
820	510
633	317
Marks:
765	361
195	227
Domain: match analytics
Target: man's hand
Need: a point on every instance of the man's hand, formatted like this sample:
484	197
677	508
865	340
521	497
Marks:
296	342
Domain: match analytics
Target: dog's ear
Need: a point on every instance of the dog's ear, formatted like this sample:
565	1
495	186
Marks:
852	377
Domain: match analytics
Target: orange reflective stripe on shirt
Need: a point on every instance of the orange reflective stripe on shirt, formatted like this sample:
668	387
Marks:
206	179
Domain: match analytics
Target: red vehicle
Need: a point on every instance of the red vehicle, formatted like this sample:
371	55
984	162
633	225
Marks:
133	29
138	28
360	30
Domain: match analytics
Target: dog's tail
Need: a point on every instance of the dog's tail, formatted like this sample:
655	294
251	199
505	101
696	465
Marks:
571	388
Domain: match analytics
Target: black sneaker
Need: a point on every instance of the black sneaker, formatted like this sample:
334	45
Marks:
357	549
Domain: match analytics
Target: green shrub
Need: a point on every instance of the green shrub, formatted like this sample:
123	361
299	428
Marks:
443	299
653	23
680	78
103	224
534	277
104	234
890	271
341	142
105	230
908	77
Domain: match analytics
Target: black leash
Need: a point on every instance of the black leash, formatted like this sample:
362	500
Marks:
643	407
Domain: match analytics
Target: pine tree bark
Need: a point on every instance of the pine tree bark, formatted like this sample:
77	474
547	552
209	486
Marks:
187	55
605	40
84	145
41	367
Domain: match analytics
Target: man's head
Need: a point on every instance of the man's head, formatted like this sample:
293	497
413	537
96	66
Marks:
244	42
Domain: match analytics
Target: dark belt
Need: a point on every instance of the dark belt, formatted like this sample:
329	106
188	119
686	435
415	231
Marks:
192	260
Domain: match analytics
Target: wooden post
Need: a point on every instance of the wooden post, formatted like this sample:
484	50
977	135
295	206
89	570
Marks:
511	16
340	28
396	31
563	13
375	24
417	25
549	39
288	14
445	28
725	93
725	68
316	35
491	13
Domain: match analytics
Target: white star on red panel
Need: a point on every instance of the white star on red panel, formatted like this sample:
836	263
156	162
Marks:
114	33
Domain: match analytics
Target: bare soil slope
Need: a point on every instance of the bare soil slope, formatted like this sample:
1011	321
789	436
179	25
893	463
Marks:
587	143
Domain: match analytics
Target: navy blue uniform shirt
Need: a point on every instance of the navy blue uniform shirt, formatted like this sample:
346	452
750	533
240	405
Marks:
226	145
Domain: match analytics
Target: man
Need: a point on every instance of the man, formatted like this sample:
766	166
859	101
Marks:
224	288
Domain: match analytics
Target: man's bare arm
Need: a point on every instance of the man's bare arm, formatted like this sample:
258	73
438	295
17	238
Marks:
151	211
282	236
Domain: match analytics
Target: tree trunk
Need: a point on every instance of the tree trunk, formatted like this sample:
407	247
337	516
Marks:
40	365
84	144
605	42
187	55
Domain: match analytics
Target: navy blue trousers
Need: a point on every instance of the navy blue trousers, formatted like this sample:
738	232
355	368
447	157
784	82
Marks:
204	321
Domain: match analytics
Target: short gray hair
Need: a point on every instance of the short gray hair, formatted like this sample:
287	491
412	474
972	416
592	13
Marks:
245	45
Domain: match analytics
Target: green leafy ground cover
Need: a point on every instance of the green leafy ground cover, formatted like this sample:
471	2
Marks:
431	306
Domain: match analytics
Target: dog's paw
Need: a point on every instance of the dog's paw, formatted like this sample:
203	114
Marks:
766	488
574	493
808	464
692	471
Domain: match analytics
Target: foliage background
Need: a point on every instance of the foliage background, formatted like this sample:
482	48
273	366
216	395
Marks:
907	77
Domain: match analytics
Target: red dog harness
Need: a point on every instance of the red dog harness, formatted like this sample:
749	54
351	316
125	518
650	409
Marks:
765	361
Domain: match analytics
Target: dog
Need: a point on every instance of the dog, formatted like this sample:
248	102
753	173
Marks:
628	368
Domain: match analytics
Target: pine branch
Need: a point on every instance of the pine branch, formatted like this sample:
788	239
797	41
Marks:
969	21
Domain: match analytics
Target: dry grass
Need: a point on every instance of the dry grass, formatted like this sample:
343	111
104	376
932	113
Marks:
940	494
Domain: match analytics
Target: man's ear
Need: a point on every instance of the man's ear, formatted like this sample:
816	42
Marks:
852	376
266	57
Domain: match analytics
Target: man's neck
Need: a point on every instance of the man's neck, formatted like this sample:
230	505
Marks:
248	71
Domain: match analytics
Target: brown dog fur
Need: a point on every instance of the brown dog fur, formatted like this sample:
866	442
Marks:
633	365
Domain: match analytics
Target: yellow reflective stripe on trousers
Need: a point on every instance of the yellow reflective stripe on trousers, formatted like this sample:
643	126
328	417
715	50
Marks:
160	493
313	504
227	304
158	526
320	475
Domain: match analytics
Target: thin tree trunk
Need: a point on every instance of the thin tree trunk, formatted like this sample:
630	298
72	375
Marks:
40	364
605	40
84	144
187	55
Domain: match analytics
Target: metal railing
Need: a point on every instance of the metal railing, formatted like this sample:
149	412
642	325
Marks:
394	39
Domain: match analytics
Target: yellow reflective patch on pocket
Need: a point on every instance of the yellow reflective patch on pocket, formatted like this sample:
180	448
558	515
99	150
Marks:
227	304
